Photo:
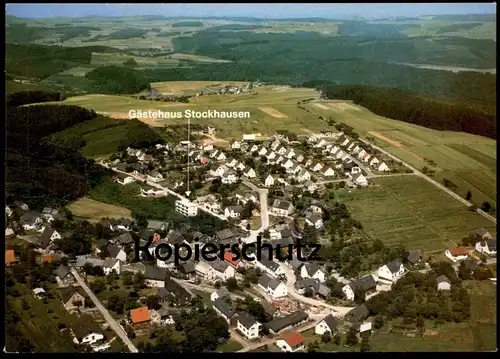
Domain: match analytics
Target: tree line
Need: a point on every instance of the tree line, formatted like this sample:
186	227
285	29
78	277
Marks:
417	109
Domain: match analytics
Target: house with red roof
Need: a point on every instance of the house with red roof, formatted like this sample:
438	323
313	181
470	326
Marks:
456	254
291	341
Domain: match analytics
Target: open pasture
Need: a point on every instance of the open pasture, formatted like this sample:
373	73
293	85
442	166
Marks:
471	158
409	210
108	59
93	210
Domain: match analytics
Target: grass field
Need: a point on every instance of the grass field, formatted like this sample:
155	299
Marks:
93	210
259	122
467	160
181	87
143	62
197	58
231	346
411	211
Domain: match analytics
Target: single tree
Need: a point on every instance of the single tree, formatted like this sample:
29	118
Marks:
468	196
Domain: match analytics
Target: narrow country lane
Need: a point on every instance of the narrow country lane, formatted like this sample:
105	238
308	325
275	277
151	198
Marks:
109	319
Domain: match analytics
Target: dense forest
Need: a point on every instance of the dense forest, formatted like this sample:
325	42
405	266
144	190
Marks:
414	108
26	97
40	173
118	80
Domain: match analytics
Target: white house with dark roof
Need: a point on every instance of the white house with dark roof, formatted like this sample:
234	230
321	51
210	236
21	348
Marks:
359	180
269	181
366	285
31	220
310	186
155	276
273	286
329	324
155	176
236	145
315	220
219	270
248	326
443	283
222	292
110	265
311	270
233	211
287	164
224	309
391	271
270	267
282	208
329	172
303	175
485	242
249	172
49	213
382	167
317	167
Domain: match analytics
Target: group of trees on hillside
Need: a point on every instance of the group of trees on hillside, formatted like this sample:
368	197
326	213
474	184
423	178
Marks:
414	108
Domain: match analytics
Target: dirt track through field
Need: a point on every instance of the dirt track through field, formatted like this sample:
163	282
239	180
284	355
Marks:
343	106
272	112
321	106
386	139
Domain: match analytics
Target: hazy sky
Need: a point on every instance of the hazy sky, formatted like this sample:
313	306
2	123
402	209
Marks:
250	10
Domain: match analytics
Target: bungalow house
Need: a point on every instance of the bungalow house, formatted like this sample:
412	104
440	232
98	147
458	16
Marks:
374	162
231	162
273	286
269	181
39	293
155	277
391	271
283	323
291	341
290	153
219	270
249	172
310	186
220	156
317	167
222	292
328	172
178	296
279	160
314	220
299	157
155	176
329	324
221	170
287	164
31	220
365	285
72	297
357	315
124	180
64	276
240	166
229	178
270	267
359	180
140	316
275	145
272	156
110	265
117	253
456	254
224	309
382	167
303	175
10	257
340	154
262	151
361	154
311	270
86	333
236	145
253	148
294	169
414	257
49	213
233	211
343	140
282	208
48	236
281	150
443	283
248	326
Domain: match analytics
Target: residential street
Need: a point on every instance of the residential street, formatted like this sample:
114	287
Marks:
112	323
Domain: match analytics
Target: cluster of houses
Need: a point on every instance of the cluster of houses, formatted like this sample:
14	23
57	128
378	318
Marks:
486	244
